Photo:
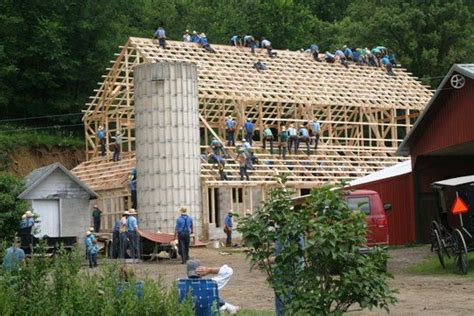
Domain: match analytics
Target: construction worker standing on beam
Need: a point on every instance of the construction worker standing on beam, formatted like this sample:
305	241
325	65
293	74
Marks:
230	125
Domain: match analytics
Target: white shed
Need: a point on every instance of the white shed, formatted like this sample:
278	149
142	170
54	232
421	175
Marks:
61	200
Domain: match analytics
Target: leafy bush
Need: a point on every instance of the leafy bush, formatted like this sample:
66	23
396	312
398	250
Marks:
11	208
319	270
59	286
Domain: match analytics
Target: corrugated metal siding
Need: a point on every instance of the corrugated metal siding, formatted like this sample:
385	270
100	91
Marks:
451	125
397	191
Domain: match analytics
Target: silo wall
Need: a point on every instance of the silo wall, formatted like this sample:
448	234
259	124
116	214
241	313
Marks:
167	144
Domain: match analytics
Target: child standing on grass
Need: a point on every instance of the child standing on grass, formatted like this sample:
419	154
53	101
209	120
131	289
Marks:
93	250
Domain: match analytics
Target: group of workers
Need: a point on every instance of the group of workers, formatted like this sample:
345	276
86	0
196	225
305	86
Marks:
115	146
289	138
377	56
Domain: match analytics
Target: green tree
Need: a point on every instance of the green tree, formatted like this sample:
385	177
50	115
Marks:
11	208
319	270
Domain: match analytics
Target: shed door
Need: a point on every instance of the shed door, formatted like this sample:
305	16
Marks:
48	211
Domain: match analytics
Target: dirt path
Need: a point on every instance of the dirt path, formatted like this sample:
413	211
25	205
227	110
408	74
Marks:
419	295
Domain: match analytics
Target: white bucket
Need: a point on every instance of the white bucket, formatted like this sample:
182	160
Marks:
216	244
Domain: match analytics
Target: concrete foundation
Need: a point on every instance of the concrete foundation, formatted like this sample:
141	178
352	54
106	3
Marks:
167	144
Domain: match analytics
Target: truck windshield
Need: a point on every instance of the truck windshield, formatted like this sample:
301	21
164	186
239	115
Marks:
360	203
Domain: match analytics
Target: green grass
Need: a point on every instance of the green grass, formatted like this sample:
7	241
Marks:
431	266
248	312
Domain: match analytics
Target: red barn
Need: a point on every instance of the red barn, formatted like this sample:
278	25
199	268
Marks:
441	146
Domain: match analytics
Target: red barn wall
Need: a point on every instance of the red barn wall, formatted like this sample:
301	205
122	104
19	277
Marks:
450	125
397	191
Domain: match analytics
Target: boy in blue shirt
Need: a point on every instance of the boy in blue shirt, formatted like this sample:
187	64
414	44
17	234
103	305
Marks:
101	134
230	125
248	127
304	137
93	250
14	257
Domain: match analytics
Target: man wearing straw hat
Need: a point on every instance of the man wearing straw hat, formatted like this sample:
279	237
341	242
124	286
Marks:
228	224
183	231
132	232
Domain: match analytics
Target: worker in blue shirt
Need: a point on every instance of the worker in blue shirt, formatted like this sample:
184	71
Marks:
348	53
342	58
205	44
14	257
388	65
314	49
88	242
217	147
132	183
132	233
220	161
236	40
116	239
316	131
30	220
93	250
248	128
195	37
183	231
101	135
230	126
304	137
228	225
160	34
23	222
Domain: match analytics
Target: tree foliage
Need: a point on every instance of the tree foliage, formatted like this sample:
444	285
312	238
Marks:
53	53
11	208
319	270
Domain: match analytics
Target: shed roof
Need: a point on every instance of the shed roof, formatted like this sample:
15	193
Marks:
435	102
390	172
34	178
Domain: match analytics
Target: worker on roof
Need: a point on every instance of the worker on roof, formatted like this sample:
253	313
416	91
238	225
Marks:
260	66
356	57
314	49
195	37
292	138
187	36
348	53
330	58
230	125
160	34
268	46
236	40
183	231
132	183
250	41
117	144
283	138
339	54
96	215
388	65
205	44
372	59
249	129
304	137
268	137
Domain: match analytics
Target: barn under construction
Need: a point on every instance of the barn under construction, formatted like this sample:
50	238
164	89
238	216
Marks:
364	114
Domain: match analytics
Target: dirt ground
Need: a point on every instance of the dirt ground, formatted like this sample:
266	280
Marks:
419	295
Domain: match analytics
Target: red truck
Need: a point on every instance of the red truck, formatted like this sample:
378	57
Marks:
368	202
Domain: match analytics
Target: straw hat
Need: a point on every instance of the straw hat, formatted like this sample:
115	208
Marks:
231	212
88	233
283	128
132	211
183	210
292	125
23	216
202	35
91	229
29	214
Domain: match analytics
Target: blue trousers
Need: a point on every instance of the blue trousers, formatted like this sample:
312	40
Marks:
123	244
183	245
133	238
